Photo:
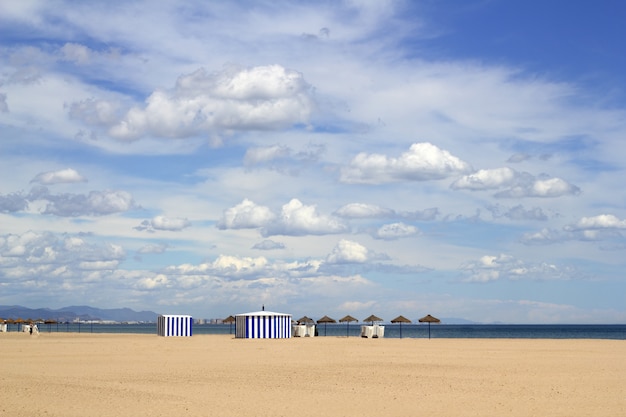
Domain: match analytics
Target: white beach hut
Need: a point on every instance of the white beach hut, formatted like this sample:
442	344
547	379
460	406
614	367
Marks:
263	325
174	325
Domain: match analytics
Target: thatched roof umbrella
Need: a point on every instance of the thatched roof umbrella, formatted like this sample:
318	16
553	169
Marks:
305	320
9	322
372	319
429	319
326	320
400	319
50	322
19	322
347	319
230	320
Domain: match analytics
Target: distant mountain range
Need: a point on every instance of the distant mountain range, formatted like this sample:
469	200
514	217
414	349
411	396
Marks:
71	313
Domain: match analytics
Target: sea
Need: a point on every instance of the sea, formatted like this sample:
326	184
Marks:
439	331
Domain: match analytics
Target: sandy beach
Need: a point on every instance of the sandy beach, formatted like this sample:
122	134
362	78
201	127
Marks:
66	374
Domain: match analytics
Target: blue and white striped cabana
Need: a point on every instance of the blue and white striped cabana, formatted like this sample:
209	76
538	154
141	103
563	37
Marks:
174	325
263	325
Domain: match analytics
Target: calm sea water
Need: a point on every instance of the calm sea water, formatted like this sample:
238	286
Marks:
484	331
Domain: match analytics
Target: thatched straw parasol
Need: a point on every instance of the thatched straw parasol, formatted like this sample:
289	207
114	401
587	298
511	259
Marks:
305	320
429	319
347	319
400	319
50	322
230	320
372	319
326	320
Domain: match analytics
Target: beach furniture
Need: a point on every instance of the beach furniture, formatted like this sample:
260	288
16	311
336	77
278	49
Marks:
303	330
297	330
367	331
304	327
373	332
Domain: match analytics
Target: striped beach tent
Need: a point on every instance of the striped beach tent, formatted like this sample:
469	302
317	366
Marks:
174	325
263	325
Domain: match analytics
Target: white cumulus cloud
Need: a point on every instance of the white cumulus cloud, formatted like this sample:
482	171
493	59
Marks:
258	98
110	201
485	179
67	175
167	223
422	162
348	251
541	188
233	265
362	210
96	203
297	219
149	283
246	215
552	187
602	221
515	184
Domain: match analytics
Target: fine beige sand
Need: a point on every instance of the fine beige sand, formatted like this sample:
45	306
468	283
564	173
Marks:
61	374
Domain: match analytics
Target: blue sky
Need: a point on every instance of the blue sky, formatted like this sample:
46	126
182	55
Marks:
460	158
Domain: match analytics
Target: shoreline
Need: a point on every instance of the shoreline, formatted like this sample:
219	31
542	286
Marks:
125	374
70	334
462	331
